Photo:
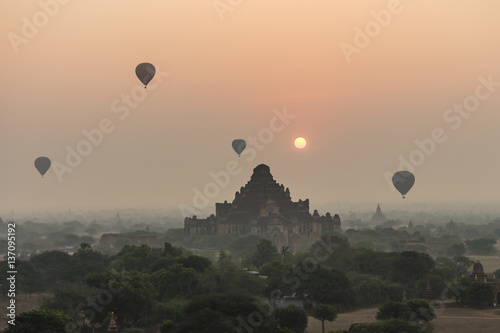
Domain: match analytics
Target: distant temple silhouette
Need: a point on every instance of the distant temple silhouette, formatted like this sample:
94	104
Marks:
478	275
378	217
264	207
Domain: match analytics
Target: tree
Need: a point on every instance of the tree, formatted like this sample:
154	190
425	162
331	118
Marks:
274	271
266	252
27	280
286	254
39	321
463	265
221	313
418	310
457	289
137	258
311	286
455	250
198	263
292	317
392	310
130	294
55	266
362	259
167	326
411	266
324	312
168	249
421	311
479	293
332	251
86	260
481	246
388	326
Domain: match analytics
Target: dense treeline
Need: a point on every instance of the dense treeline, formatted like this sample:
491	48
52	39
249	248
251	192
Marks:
183	292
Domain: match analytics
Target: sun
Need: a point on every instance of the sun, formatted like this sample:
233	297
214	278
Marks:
300	143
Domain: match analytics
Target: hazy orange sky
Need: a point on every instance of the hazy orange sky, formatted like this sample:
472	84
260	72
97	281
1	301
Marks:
361	99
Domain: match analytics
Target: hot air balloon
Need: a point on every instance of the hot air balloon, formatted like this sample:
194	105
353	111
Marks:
145	72
239	145
403	181
42	164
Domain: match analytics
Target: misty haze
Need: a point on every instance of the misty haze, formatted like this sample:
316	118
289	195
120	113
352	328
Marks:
250	166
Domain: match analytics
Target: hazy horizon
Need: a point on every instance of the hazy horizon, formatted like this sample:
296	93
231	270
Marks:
369	104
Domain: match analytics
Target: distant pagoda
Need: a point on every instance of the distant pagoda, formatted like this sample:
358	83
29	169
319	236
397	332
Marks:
112	324
378	217
428	291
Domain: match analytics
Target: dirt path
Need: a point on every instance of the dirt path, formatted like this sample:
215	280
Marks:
450	320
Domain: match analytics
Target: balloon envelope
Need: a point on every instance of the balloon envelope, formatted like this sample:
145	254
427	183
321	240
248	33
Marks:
42	164
239	145
403	181
145	72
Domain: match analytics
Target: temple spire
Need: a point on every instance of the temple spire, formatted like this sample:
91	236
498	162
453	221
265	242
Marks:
405	300
428	290
112	324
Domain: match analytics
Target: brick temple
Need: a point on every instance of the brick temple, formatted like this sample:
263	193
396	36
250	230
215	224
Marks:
264	207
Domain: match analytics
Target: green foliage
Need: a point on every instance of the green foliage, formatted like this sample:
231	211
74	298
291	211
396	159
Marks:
167	326
463	265
479	294
456	250
392	310
481	246
174	281
497	273
227	276
457	289
274	271
320	285
418	310
199	264
388	326
292	317
137	258
170	250
133	330
85	260
362	259
411	266
324	312
54	265
371	290
266	252
421	311
27	278
284	330
69	297
129	294
244	247
331	251
218	312
39	321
